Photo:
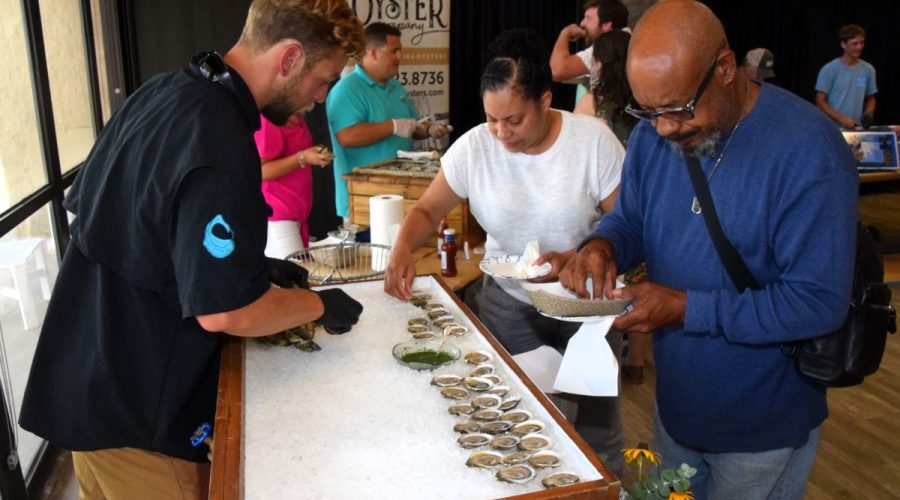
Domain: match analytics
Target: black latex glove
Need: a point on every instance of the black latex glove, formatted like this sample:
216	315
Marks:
868	118
341	311
286	274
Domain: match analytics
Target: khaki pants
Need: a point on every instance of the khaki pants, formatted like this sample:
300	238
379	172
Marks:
129	473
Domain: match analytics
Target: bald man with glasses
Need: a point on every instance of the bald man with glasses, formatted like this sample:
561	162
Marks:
783	185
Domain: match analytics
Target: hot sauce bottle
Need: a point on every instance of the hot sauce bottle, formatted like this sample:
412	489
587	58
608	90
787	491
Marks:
440	236
448	253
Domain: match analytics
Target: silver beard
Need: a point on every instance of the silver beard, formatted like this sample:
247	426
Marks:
706	148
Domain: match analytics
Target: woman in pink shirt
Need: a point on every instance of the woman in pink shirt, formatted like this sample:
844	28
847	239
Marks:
286	153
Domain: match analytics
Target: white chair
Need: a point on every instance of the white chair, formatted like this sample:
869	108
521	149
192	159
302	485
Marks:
24	258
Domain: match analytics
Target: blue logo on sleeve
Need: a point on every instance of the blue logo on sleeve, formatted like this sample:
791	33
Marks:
218	238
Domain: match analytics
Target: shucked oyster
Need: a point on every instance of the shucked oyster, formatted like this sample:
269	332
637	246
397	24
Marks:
484	459
486	401
473	440
505	442
496	427
527	427
469	427
516	474
479	384
516	416
446	380
300	337
461	409
544	459
478	357
481	370
454	392
532	442
516	457
560	479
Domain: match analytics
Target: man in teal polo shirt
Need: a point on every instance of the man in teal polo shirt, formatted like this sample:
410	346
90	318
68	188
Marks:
370	113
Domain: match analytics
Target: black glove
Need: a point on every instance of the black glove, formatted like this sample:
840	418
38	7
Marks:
341	311
868	118
286	274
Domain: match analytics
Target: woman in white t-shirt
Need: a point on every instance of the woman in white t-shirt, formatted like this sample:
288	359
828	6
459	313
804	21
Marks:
530	173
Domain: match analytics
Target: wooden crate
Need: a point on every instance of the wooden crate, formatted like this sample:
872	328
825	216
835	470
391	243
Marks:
362	186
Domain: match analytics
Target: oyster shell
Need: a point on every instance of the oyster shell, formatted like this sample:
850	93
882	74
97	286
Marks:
486	401
516	474
463	409
516	458
535	441
473	440
504	442
560	479
417	322
434	305
482	369
528	427
496	427
417	329
446	380
508	403
478	384
454	392
455	330
442	322
478	357
437	313
544	459
486	415
424	335
493	377
484	459
500	390
516	416
468	427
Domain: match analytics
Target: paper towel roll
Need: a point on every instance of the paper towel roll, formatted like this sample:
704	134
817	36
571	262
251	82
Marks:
384	210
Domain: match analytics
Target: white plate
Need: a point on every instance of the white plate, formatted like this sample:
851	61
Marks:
573	319
504	266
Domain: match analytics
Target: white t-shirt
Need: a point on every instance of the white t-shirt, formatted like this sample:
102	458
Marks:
553	197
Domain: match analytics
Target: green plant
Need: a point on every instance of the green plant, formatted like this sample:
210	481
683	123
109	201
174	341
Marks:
669	484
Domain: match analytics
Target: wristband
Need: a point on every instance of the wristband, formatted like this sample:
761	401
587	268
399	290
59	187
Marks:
301	159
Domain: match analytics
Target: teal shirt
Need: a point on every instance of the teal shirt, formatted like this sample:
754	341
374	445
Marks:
357	98
847	86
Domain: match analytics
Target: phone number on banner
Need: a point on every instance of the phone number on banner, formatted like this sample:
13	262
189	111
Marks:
421	77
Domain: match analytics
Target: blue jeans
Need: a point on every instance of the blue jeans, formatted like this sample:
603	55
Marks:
774	474
520	328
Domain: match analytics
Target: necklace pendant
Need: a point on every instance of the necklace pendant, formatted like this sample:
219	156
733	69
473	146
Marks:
695	206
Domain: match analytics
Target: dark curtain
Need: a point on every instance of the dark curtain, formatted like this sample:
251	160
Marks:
474	23
803	36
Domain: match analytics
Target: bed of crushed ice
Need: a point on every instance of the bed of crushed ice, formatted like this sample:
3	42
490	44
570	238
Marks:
350	422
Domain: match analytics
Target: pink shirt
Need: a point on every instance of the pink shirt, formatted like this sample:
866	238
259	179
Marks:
290	196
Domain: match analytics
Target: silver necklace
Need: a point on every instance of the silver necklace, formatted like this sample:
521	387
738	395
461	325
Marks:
695	204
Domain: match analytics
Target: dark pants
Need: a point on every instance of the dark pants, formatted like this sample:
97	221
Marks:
520	328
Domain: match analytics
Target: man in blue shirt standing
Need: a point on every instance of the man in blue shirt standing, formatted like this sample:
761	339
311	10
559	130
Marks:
784	187
845	88
370	114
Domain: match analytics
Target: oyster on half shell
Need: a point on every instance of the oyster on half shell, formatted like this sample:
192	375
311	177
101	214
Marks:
516	474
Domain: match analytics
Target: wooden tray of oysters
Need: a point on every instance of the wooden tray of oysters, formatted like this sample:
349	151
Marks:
352	421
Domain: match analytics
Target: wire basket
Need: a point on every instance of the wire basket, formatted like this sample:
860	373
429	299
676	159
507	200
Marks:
343	262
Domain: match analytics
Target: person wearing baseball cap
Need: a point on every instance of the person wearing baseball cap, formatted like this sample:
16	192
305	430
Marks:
758	64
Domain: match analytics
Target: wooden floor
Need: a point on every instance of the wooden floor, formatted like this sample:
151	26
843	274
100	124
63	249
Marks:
859	451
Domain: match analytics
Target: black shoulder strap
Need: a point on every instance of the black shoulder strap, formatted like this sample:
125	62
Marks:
737	269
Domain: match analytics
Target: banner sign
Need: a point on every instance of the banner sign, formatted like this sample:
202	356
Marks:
425	63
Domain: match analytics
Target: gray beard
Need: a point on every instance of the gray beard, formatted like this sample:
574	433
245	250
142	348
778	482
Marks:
707	148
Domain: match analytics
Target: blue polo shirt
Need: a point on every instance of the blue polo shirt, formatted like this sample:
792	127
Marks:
847	86
357	98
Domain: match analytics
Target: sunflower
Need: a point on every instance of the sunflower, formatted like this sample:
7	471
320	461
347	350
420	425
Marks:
681	495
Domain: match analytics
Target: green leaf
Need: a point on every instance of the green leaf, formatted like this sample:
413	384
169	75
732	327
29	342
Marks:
681	485
668	475
663	491
686	471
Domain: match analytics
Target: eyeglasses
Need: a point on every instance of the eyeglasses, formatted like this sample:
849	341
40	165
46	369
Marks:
678	113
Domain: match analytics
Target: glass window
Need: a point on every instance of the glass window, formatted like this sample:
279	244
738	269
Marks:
28	267
68	74
22	168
